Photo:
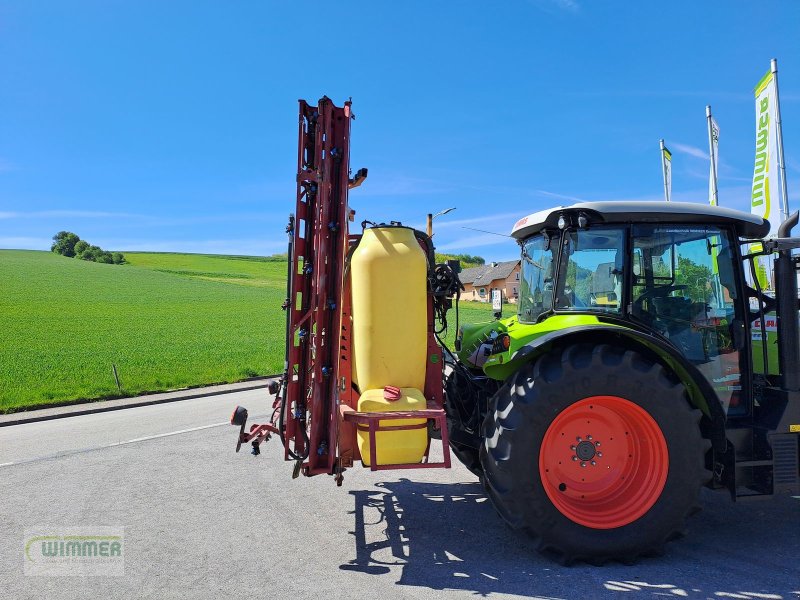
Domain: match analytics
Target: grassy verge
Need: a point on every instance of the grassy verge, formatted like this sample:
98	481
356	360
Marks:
64	322
165	320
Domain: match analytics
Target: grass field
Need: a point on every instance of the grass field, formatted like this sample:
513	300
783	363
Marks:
165	320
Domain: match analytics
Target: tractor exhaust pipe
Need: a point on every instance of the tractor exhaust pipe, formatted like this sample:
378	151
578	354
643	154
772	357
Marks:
787	309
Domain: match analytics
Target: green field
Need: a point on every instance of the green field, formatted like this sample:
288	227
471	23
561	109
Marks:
165	320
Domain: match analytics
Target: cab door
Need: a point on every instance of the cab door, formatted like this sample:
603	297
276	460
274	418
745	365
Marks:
685	286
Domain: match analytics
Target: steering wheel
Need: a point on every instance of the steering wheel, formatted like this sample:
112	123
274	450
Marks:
656	292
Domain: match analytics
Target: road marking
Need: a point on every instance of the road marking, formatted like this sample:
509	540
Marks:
113	445
161	435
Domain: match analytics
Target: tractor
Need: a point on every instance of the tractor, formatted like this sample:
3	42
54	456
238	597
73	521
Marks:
594	419
637	369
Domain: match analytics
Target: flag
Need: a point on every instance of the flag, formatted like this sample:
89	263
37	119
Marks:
764	200
666	165
765	195
713	141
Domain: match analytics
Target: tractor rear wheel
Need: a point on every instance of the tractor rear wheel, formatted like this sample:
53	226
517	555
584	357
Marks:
595	451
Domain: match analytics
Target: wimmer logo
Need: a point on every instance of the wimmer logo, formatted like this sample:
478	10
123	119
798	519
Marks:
77	551
761	171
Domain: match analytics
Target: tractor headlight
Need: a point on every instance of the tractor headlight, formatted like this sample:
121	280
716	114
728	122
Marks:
501	343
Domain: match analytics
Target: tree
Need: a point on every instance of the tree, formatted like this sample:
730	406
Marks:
81	247
94	252
695	277
466	260
64	243
69	244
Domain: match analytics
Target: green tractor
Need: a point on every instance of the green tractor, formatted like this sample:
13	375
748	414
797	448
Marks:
625	382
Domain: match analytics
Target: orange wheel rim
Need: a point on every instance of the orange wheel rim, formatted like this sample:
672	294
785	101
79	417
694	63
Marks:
603	462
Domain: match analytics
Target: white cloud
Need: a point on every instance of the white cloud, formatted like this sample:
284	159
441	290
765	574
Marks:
504	219
550	6
150	220
569	5
474	241
243	247
696	174
559	196
402	185
690	150
732	178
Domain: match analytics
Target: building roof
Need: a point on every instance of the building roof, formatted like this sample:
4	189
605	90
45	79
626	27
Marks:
471	274
747	224
486	274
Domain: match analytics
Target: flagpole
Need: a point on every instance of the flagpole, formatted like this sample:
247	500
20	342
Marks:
779	131
715	195
664	171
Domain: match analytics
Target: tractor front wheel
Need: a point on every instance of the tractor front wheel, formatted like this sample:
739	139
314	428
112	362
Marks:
596	451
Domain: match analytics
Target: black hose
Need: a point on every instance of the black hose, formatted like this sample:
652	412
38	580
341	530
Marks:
282	424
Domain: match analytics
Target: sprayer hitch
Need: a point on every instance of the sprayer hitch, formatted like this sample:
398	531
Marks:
258	432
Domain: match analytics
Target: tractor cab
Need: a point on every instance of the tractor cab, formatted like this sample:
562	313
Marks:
673	271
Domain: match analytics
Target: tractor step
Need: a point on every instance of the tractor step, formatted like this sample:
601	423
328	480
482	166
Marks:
754	463
786	458
778	475
372	420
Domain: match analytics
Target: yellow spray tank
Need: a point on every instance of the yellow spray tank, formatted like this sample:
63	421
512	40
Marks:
388	273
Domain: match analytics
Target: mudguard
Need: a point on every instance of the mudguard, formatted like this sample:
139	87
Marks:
701	394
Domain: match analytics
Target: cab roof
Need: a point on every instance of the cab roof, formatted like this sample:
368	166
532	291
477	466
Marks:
747	225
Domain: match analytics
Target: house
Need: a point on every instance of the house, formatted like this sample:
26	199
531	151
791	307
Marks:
480	281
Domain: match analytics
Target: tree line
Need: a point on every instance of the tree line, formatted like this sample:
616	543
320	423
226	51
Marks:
69	244
466	260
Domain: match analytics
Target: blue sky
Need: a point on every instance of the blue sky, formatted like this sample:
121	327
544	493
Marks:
171	126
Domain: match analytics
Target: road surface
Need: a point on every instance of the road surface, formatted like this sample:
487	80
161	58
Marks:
203	522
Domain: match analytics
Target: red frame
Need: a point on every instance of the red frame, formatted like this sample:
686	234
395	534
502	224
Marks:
372	421
318	384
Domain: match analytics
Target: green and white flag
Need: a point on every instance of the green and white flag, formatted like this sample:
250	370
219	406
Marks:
666	167
713	142
765	198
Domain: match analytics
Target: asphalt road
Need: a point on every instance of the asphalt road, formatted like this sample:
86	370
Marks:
203	522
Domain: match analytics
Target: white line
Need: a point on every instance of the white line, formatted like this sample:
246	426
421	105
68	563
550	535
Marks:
114	445
161	435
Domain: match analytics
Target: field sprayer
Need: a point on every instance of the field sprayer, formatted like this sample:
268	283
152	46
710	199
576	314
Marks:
594	416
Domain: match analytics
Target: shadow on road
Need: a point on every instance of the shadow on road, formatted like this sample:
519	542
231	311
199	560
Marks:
448	536
443	536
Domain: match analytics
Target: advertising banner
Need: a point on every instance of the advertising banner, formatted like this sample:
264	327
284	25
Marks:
666	165
713	141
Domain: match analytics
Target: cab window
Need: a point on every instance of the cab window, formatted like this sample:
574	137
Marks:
592	269
536	279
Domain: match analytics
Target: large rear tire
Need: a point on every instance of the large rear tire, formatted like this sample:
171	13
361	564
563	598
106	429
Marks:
595	451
